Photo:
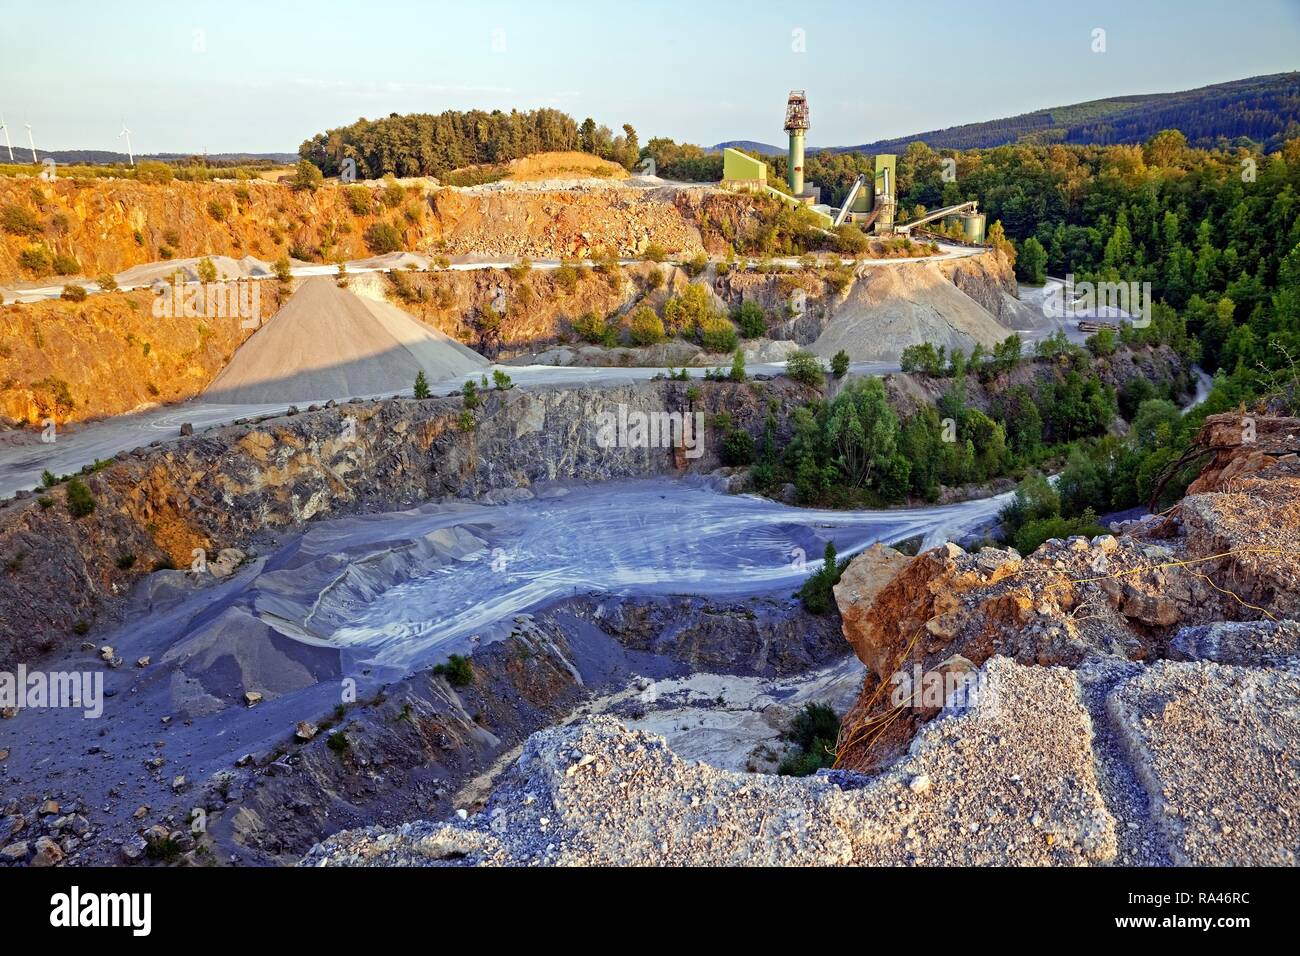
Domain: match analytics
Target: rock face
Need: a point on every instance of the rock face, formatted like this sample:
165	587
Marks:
1059	735
1010	782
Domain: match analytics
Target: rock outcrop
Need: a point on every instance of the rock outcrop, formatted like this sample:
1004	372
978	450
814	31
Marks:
1128	700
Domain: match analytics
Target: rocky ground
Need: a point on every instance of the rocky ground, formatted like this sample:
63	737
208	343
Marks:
1127	700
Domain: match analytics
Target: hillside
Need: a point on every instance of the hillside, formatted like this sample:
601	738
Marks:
1262	108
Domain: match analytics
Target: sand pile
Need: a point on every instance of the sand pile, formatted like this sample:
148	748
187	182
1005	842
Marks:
328	343
892	307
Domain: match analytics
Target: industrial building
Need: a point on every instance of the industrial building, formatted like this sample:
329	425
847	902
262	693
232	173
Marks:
871	205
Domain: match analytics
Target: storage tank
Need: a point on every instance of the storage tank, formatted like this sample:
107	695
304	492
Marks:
972	227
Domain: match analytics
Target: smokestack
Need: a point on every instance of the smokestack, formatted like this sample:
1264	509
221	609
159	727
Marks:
796	124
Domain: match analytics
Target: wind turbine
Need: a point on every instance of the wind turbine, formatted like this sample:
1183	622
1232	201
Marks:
127	133
7	146
30	142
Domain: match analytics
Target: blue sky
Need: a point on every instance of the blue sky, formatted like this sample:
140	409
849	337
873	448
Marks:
267	75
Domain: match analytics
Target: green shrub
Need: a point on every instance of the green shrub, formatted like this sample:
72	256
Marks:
17	221
36	260
696	265
718	334
359	199
393	193
338	742
645	327
751	318
207	270
813	732
66	265
382	237
738	448
306	177
106	283
80	501
594	328
73	293
501	380
816	593
840	364
457	670
421	385
217	210
806	368
282	269
654	253
470	396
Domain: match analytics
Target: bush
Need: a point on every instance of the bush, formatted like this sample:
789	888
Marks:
738	448
217	210
594	328
421	385
382	237
751	318
501	380
566	276
306	177
1033	534
36	260
207	270
393	193
737	373
850	240
840	364
359	200
696	265
806	368
655	252
80	501
718	335
282	269
645	327
106	283
814	732
66	265
816	593
457	670
153	171
469	395
687	312
73	293
17	221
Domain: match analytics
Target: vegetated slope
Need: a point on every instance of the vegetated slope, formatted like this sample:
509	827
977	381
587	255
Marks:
328	343
109	355
564	165
1264	108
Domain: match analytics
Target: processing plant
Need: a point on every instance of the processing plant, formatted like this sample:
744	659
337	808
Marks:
871	202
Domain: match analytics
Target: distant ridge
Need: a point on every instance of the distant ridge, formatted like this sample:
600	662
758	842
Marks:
1264	108
107	156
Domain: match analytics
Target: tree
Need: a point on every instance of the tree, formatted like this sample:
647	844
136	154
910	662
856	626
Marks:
737	373
282	269
840	364
382	237
421	385
1031	263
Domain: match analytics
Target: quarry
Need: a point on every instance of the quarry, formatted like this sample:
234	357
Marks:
529	522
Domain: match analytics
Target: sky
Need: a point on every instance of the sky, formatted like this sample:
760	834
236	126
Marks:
264	76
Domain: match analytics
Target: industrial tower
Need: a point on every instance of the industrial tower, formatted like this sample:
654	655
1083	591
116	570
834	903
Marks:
796	124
